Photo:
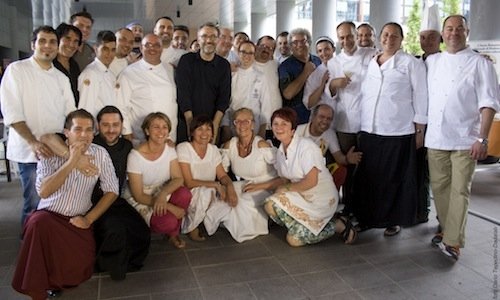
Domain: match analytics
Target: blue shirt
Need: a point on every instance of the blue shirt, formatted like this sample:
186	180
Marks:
288	71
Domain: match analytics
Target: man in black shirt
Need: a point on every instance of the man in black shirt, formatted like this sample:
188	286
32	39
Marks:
122	236
203	83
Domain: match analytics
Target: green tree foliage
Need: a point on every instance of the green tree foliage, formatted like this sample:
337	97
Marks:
451	7
412	40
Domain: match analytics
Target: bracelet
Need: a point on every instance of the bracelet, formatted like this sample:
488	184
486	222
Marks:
287	186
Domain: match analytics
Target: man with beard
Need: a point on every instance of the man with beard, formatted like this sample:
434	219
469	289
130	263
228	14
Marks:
181	37
284	51
58	248
366	36
138	32
124	44
122	237
203	83
35	99
265	63
164	28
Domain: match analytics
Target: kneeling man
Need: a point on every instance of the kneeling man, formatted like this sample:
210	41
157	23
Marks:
58	248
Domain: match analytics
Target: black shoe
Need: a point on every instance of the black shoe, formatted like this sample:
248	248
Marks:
54	293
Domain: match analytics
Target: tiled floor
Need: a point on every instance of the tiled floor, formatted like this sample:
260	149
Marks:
402	267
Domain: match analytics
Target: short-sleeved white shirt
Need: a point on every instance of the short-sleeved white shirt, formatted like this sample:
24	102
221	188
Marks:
201	168
154	172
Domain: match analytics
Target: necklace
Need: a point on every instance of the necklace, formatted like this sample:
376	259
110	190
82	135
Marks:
246	148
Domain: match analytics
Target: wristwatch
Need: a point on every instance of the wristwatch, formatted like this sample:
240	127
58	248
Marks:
483	142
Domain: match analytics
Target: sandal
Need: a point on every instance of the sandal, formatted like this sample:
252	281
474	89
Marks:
451	251
196	236
177	242
348	229
392	230
437	239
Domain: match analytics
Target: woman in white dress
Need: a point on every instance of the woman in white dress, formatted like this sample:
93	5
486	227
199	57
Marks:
307	198
156	182
211	187
251	160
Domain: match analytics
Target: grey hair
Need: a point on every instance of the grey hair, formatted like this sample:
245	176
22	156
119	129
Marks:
300	31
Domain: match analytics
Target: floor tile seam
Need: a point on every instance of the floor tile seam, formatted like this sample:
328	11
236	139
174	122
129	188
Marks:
270	277
231	262
427	273
396	284
251	291
126	297
191	269
436	277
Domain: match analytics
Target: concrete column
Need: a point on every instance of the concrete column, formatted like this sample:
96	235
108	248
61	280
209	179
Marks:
242	13
258	30
284	15
484	21
324	16
47	12
226	17
383	11
37	12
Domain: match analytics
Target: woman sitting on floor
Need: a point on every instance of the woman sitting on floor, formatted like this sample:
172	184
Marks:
156	181
201	166
307	198
251	159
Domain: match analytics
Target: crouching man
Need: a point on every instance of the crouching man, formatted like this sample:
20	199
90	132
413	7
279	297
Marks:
58	248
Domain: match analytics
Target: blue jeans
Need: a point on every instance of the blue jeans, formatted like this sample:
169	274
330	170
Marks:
27	172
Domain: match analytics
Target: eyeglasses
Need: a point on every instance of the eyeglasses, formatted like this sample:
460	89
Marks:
247	52
300	42
208	37
264	46
242	122
151	46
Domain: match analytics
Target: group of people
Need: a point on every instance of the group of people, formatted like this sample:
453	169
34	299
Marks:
227	134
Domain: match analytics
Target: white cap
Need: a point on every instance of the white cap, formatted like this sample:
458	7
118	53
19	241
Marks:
430	18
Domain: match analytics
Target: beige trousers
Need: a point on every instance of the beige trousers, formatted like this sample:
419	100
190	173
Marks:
451	177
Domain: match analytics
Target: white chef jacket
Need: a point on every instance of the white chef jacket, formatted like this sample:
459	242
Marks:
97	87
394	96
347	111
313	82
117	65
142	89
460	85
41	98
